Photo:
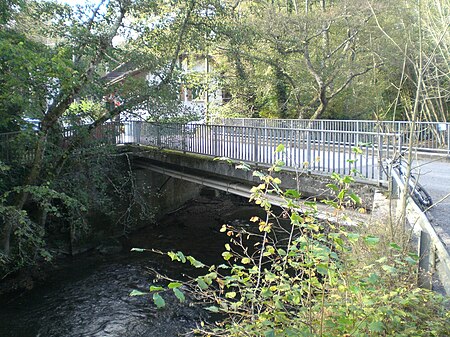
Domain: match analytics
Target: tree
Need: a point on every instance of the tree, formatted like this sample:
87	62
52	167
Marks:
61	59
422	46
305	58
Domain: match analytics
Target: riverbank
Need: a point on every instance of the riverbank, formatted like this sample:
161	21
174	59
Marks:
88	295
204	212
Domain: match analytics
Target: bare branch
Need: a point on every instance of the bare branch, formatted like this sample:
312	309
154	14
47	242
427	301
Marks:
351	77
310	67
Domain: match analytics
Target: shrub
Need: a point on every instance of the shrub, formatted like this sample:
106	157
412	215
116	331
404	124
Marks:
297	275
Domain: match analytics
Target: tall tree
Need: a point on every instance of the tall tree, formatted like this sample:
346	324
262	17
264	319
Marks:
315	54
55	55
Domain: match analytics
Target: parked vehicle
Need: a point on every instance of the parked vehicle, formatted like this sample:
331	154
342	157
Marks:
417	192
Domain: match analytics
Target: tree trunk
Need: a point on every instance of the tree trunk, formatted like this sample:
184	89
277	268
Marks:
10	220
323	103
6	234
281	91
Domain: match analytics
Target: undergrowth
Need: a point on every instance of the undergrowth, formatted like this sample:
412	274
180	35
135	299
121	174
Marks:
297	275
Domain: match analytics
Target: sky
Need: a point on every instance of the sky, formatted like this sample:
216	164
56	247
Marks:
117	40
77	2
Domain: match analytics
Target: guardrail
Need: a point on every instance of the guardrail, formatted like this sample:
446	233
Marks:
433	255
434	136
16	147
360	154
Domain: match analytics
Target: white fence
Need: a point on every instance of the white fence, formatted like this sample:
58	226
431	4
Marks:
352	153
428	136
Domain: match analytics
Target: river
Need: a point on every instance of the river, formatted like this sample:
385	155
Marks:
88	295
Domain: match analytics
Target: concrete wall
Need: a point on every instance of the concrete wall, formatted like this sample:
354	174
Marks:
310	185
163	193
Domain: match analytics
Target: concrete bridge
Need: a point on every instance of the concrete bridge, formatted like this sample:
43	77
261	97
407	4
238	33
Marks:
235	177
189	152
309	151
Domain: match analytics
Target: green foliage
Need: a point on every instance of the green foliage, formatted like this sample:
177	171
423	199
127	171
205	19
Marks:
83	112
53	62
29	244
288	61
296	275
57	213
8	9
330	59
159	301
24	69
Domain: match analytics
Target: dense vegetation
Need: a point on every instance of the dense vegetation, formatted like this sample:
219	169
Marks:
337	59
291	274
288	59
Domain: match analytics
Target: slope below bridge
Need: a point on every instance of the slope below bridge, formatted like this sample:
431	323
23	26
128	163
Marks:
309	156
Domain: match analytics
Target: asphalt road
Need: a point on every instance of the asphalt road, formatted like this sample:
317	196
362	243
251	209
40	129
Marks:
434	175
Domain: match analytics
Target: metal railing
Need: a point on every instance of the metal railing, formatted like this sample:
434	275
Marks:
16	147
6	140
107	133
360	154
428	136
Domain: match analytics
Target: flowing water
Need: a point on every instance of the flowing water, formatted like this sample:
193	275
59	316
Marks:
89	296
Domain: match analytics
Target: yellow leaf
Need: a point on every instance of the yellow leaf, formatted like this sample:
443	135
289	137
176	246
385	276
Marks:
245	260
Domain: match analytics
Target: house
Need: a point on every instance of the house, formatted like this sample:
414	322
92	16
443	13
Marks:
199	91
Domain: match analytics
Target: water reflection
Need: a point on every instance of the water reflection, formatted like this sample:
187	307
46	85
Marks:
90	297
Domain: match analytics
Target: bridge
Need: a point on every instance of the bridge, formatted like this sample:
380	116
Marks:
313	149
310	151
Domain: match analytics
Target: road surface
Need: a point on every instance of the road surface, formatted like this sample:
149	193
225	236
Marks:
434	175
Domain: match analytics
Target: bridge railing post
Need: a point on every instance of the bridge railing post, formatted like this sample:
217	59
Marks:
308	149
158	135
215	140
380	157
357	134
256	145
183	137
137	129
448	138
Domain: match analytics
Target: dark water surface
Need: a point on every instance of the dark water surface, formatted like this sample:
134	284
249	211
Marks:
89	296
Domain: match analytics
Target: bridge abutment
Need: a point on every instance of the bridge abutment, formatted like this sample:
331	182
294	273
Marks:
164	193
